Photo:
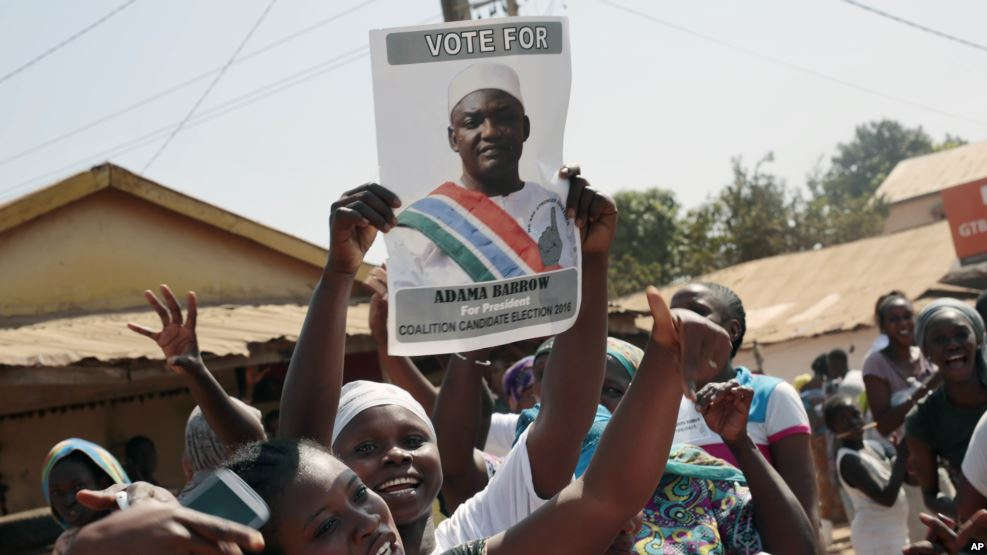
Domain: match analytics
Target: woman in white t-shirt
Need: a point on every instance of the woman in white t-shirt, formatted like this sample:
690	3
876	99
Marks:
388	446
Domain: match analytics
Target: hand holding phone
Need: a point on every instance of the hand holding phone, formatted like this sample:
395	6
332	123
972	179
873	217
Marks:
224	494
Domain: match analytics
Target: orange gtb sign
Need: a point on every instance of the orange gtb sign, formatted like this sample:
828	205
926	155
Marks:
966	210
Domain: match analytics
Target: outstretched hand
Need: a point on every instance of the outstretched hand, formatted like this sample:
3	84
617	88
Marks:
137	493
177	338
353	224
942	538
702	347
154	528
725	406
595	213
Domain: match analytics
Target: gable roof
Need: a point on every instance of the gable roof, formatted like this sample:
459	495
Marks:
111	176
829	290
931	173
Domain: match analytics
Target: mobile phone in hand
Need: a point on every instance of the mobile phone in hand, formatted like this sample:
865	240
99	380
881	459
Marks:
224	494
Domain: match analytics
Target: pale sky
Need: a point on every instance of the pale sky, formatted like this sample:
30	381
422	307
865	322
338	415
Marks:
650	105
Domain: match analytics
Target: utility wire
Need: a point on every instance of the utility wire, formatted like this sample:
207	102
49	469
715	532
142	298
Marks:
242	101
223	108
179	86
65	42
792	66
918	26
209	89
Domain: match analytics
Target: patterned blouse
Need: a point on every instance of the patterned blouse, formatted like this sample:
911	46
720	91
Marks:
702	505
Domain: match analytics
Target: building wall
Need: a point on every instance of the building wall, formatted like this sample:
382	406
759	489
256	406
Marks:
25	441
791	358
914	212
100	252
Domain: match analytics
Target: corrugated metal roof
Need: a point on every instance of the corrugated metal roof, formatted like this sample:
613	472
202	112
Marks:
934	172
222	330
834	289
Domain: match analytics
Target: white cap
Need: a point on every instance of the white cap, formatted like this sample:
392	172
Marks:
484	76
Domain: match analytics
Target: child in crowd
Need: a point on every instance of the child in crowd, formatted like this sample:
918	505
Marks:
871	480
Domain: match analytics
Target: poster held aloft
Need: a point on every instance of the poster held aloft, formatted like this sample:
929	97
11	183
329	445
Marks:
470	118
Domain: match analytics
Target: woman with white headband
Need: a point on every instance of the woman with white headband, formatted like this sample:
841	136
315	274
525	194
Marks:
390	447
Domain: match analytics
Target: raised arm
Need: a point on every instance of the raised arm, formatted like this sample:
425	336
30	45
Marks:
315	374
233	424
570	388
616	486
890	418
457	420
923	461
781	521
400	371
859	476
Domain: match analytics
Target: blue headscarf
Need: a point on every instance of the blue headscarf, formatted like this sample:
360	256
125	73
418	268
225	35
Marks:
99	456
590	442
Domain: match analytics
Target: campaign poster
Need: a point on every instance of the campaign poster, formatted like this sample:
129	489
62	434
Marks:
470	118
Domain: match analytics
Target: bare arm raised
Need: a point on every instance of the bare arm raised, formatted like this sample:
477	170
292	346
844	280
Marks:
616	486
574	375
231	422
315	375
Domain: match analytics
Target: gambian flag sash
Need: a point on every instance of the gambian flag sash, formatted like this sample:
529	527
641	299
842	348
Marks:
483	239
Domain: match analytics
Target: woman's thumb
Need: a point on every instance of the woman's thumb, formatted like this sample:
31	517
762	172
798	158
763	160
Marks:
663	331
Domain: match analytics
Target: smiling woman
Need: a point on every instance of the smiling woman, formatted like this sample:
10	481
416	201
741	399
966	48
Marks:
386	437
951	335
319	505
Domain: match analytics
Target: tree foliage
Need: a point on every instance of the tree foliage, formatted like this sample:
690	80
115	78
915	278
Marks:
644	248
757	214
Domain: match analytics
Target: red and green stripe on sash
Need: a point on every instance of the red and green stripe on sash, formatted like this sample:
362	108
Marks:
483	239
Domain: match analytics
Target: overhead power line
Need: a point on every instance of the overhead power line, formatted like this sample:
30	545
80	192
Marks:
179	86
209	89
223	108
918	26
65	42
791	65
242	101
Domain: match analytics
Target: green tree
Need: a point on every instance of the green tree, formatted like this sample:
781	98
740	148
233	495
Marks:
754	216
859	166
645	246
842	206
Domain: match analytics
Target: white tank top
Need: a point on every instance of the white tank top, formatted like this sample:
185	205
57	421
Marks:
874	524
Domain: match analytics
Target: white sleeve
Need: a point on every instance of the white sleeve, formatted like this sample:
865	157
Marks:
785	414
500	437
508	499
975	462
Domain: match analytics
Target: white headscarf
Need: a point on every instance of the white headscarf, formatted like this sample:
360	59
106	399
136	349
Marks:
360	395
202	446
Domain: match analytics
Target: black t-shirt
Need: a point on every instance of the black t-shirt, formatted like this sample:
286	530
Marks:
943	426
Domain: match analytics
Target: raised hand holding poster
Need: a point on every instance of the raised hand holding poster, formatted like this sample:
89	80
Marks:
470	119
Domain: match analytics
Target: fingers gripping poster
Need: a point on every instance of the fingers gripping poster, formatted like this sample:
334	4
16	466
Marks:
470	118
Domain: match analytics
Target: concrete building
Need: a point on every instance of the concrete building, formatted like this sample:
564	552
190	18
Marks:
77	256
913	186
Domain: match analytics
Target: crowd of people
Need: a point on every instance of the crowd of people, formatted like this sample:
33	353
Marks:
593	445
